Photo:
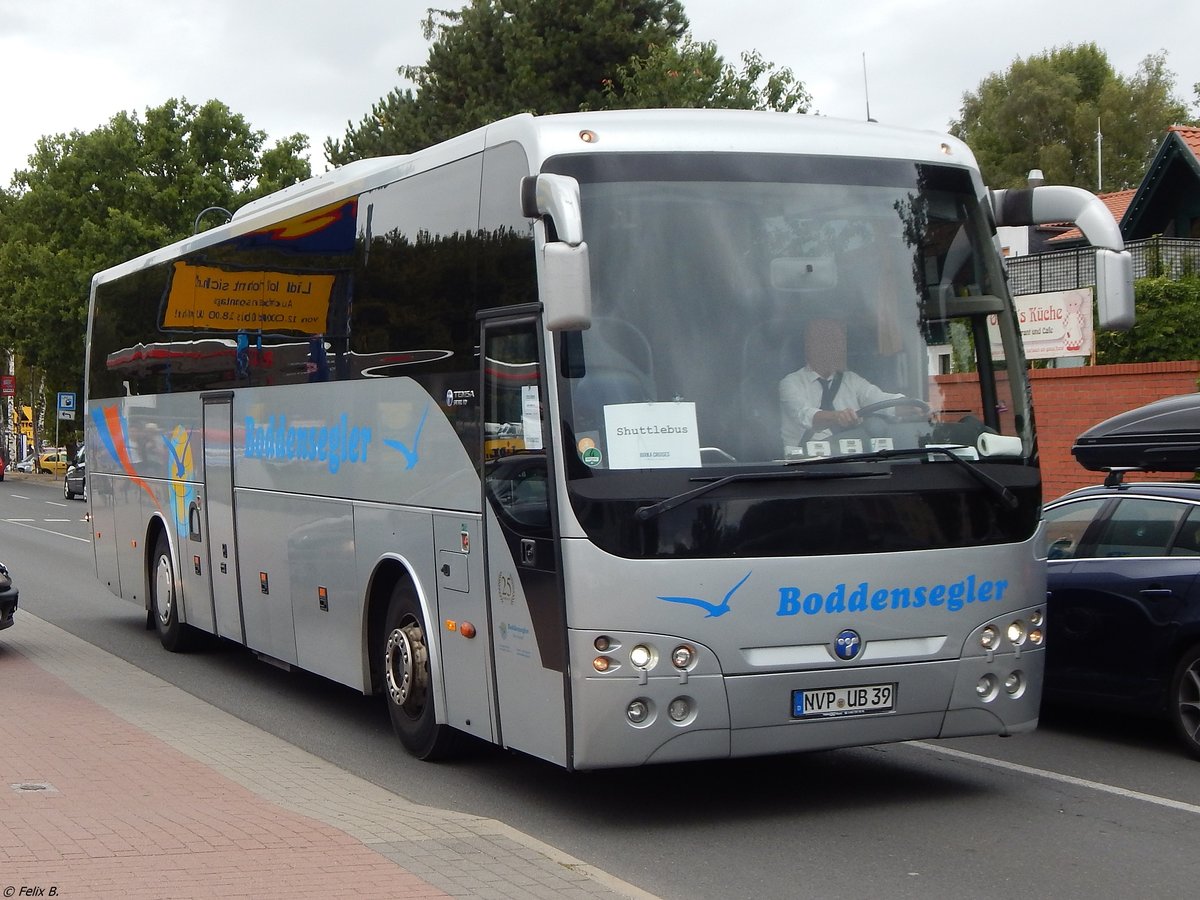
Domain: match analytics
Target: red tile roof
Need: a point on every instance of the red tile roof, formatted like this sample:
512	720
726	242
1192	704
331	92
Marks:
1190	137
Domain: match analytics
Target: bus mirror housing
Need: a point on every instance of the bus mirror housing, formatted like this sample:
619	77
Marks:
566	287
1114	290
566	283
1055	204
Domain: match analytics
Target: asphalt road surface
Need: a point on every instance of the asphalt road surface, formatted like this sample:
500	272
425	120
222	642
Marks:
1083	808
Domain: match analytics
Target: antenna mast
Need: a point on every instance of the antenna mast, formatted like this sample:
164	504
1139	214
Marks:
866	90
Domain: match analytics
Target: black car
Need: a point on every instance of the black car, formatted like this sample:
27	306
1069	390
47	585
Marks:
1123	615
8	598
75	480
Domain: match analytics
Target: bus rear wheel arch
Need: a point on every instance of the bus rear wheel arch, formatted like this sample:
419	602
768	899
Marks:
408	679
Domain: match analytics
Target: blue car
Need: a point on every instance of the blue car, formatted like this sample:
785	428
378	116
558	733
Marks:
8	598
1123	614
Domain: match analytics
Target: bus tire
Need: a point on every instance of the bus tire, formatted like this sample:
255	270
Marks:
1185	700
164	599
408	679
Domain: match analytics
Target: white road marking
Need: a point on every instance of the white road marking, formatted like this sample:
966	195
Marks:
24	523
1065	779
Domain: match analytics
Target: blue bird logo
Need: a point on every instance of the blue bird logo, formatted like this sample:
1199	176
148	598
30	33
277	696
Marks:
410	456
714	609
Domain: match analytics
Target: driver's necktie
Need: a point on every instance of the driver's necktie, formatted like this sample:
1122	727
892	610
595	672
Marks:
826	393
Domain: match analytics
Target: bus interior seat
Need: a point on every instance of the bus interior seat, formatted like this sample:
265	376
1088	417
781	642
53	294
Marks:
768	355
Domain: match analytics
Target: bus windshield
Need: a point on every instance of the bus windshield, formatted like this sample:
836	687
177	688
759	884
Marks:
725	287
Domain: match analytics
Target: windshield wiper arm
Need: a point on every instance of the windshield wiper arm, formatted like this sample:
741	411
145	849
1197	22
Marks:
1007	497
643	513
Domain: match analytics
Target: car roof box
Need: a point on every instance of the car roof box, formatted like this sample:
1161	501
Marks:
1163	436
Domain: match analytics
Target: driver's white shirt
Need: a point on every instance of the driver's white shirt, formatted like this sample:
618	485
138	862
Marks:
800	398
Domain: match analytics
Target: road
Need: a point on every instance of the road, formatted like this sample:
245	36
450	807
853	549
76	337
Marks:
1082	808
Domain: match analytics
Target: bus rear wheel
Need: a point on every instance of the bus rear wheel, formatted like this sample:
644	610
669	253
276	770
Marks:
408	680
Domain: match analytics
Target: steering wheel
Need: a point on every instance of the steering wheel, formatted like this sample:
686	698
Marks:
874	409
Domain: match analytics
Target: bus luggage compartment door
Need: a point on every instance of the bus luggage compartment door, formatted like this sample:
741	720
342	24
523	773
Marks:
463	625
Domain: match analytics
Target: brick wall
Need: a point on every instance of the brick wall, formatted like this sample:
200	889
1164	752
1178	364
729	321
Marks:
1067	402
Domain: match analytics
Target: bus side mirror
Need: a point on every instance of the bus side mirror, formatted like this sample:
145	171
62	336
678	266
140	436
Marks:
566	287
563	268
1050	204
1114	290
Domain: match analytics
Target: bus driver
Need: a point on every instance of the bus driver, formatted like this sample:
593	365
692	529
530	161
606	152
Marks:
824	397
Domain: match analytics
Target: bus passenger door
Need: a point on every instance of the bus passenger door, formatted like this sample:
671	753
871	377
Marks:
524	587
218	503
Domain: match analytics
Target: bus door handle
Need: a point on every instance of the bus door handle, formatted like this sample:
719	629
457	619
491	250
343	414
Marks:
194	521
528	552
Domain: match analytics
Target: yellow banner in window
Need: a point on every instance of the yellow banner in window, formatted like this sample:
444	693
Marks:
212	299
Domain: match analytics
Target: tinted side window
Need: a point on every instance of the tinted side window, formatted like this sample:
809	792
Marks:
1187	541
1140	527
1066	525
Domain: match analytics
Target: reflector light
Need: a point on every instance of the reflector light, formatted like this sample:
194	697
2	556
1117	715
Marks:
601	663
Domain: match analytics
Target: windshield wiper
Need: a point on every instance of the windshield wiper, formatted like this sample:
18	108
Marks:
1002	493
1007	497
643	513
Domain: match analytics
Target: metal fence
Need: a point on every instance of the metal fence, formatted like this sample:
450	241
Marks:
1066	270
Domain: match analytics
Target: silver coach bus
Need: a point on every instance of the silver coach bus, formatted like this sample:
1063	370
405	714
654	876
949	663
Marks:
497	430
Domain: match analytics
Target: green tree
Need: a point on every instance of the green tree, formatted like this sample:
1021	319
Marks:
1164	327
687	74
1045	112
89	201
496	58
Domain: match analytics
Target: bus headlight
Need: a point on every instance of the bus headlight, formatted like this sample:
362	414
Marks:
1016	633
988	637
638	711
680	709
683	656
987	687
1014	684
642	657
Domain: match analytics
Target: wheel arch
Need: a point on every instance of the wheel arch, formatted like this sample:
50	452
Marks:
390	571
156	527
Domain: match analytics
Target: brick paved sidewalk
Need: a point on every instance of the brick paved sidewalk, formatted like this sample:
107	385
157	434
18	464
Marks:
114	783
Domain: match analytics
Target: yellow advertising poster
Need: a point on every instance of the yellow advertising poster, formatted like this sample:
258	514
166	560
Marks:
214	299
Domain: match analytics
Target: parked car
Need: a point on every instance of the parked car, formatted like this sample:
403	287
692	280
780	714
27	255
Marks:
75	480
1123	614
8	598
27	464
53	462
3	465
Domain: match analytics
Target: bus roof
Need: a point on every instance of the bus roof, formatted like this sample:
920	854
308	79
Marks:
609	131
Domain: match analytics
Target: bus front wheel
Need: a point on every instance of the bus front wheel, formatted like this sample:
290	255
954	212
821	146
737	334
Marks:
408	681
164	599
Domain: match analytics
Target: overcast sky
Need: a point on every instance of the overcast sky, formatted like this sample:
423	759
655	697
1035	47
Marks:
314	67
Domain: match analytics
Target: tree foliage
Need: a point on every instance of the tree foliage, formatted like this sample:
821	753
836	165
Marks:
89	201
1164	327
1046	110
496	58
